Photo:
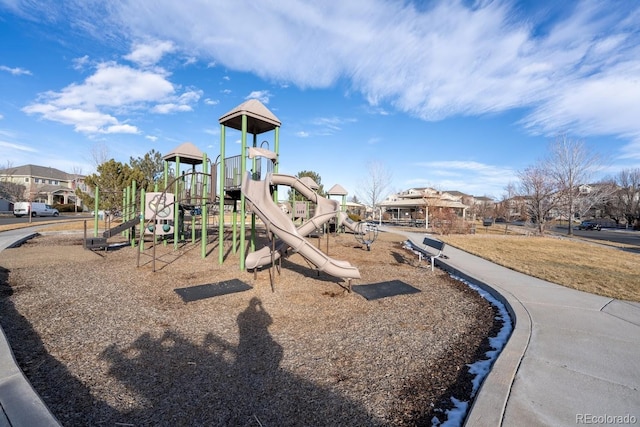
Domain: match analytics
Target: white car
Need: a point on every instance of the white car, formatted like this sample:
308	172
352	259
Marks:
21	209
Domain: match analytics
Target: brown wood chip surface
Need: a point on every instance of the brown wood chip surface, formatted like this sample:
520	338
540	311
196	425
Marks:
105	342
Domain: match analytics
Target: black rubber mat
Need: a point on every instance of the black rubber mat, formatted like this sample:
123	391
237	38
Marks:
384	289
195	293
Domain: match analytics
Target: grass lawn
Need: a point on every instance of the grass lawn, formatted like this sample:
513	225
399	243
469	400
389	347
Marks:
576	264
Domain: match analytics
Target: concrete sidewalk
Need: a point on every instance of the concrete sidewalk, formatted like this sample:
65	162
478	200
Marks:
573	357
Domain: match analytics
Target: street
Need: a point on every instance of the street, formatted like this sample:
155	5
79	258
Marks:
10	219
627	237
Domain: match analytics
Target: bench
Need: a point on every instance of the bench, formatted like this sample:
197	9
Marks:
432	244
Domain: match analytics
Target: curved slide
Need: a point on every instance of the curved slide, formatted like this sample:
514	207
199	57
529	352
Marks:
325	210
259	197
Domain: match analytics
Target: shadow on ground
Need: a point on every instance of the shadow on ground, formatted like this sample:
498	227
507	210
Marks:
216	383
178	382
66	403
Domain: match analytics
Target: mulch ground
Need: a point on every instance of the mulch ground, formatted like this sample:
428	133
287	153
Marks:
105	342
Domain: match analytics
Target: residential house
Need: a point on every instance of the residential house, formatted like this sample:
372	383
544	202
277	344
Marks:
416	205
45	184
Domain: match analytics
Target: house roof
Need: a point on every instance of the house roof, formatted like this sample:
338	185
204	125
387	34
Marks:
259	118
50	188
411	203
38	171
457	193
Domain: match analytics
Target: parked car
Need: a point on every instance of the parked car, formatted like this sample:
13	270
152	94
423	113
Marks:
21	209
589	225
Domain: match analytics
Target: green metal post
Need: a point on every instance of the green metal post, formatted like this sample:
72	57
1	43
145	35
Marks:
166	173
143	195
234	227
253	215
125	210
132	210
221	198
96	205
176	206
205	215
276	165
243	171
191	203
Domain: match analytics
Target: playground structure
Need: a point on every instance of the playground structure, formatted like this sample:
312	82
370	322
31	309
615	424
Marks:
189	198
279	224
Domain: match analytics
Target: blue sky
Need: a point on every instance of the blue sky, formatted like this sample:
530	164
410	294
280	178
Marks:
452	95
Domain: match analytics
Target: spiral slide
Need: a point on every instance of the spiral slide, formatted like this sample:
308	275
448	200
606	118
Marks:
259	197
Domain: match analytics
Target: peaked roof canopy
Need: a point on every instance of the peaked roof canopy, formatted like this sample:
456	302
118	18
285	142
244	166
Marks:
259	118
337	190
187	152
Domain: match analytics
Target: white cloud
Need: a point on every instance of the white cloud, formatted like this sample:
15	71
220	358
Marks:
432	61
83	120
261	95
17	71
19	147
302	134
171	108
210	101
1	117
146	54
80	63
113	90
330	125
122	128
151	138
470	177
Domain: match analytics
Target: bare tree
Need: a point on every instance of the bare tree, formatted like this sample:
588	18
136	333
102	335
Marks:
374	188
570	163
594	196
99	154
505	206
626	203
9	189
540	191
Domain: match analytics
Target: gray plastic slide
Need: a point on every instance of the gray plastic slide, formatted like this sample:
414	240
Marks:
261	202
326	210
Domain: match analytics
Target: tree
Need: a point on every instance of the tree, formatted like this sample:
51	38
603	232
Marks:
293	196
505	207
374	188
151	166
540	190
594	196
111	178
10	190
570	164
626	201
99	154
